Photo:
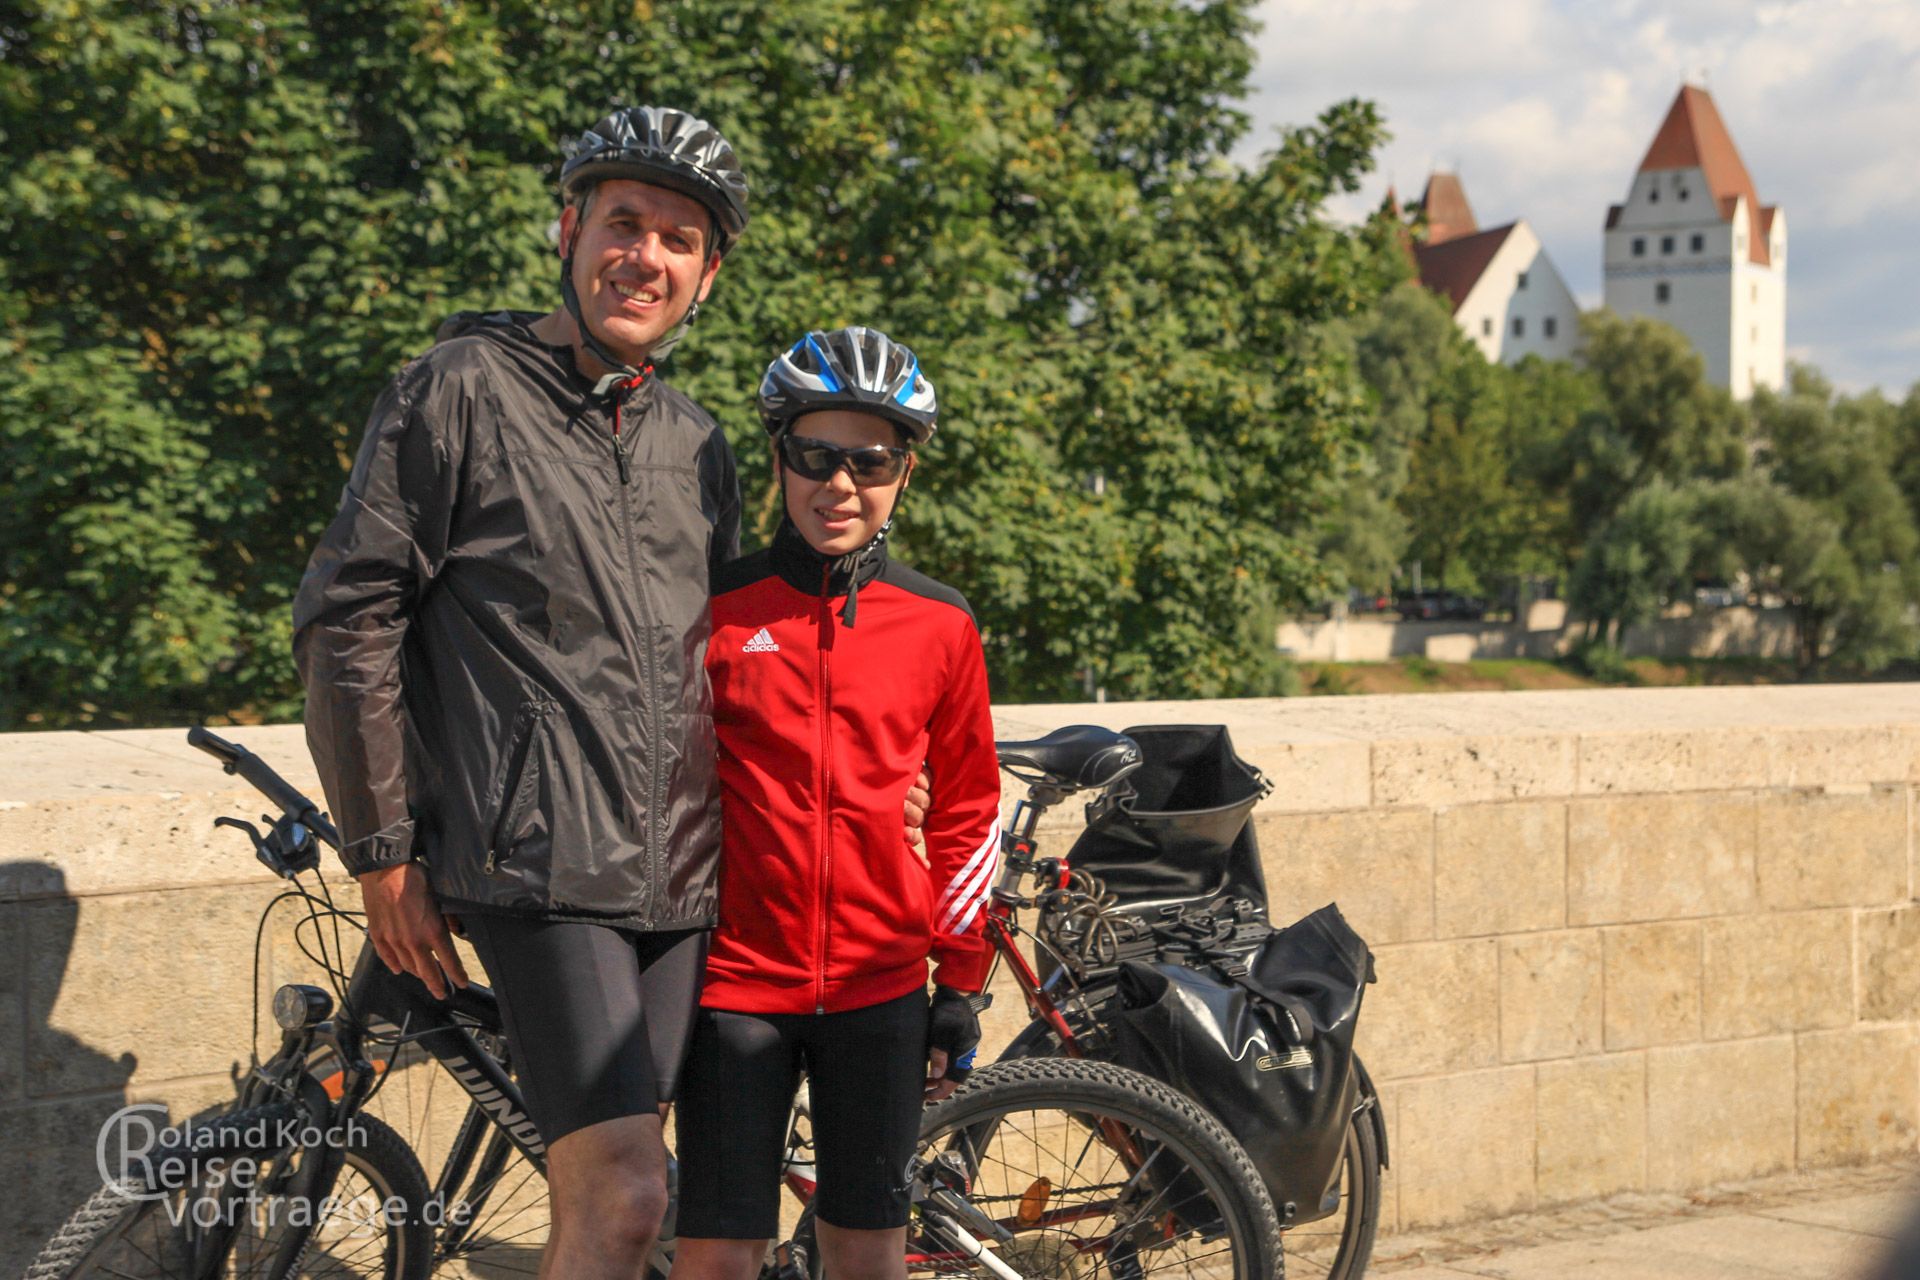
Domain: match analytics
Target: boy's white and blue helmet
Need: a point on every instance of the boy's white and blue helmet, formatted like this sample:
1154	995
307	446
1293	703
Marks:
851	368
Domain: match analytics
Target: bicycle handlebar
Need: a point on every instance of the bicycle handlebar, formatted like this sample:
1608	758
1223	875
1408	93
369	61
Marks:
236	759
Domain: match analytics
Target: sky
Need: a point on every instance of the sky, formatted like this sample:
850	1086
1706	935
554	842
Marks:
1545	108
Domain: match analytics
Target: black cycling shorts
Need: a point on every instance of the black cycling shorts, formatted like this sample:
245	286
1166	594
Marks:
866	1072
597	1018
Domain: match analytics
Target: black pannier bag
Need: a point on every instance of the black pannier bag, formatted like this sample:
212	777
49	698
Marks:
1265	1041
1183	836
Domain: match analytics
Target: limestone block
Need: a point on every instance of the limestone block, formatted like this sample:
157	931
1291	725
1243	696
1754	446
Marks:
1550	995
1453	648
1771	973
13	1026
1470	769
1499	868
1857	1095
1824	755
1466	1147
48	1166
1655	760
1328	773
153	983
120	844
1591	1127
1719	1112
1652	974
1377	865
1436	1008
1887	944
188	1100
1635	858
1833	848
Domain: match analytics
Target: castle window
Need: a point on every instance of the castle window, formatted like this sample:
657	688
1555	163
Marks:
1697	243
1519	327
1662	292
1683	193
1653	195
1754	294
1550	326
1486	327
1639	246
1666	244
1521	283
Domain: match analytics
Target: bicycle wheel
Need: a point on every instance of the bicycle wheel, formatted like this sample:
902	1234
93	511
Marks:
494	1220
233	1216
1075	1170
1338	1246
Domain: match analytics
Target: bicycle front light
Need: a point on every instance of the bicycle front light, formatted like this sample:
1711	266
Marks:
296	1006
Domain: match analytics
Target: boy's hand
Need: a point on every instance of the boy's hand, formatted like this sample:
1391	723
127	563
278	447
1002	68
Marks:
919	800
953	1033
406	928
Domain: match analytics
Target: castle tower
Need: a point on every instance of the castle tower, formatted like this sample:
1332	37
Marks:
1694	247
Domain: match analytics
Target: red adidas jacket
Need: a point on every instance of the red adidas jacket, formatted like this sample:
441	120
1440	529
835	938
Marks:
823	723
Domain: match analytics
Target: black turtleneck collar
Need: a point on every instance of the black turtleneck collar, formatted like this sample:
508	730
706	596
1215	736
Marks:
805	569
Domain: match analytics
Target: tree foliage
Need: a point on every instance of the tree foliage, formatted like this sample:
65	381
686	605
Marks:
227	225
1626	474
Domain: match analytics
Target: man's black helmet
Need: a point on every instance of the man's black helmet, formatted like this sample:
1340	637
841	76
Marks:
664	148
851	368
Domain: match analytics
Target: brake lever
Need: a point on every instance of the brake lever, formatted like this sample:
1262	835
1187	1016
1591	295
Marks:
253	832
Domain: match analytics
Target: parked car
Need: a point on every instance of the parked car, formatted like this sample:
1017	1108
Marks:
1428	606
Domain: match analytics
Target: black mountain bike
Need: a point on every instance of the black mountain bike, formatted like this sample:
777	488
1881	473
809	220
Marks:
1045	1169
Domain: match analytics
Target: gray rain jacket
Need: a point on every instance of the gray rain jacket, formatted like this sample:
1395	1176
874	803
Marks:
503	631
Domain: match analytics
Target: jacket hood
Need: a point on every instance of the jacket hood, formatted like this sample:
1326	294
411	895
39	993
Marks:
512	325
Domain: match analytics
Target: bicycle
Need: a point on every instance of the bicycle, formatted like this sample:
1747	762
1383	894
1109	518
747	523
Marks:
1084	939
1059	1169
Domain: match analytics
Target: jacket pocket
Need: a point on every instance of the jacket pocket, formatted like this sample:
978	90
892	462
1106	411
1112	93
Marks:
516	789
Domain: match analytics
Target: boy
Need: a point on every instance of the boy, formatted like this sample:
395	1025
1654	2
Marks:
836	672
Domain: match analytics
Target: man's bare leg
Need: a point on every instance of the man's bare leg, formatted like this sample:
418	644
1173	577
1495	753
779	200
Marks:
714	1259
608	1187
862	1255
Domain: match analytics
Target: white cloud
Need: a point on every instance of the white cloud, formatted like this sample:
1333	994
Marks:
1546	106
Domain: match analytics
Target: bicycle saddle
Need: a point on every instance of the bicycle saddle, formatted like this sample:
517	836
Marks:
1080	756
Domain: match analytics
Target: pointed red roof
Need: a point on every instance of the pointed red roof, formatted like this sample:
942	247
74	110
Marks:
1455	267
1694	137
1444	203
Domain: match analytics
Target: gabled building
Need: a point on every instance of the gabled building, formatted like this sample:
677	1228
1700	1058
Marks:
1693	246
1505	291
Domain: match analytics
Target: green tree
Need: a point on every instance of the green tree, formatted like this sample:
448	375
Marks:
254	214
1642	557
1845	551
1656	419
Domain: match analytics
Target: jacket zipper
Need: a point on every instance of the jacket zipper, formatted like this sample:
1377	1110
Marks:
619	448
826	787
656	835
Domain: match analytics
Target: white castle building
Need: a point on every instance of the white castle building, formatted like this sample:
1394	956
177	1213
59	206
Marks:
1505	291
1694	247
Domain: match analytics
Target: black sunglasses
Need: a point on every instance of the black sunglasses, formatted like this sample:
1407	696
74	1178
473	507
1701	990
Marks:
817	460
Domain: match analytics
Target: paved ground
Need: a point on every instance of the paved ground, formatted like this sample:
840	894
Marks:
1830	1225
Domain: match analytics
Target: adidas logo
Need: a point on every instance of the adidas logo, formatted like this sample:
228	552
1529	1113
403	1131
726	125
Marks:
761	643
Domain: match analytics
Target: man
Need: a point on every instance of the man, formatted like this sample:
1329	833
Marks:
501	636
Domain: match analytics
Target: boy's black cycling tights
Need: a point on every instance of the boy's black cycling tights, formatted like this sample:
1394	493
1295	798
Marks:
866	1071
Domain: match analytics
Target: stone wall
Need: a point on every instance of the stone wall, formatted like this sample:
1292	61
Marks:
1733	632
1632	940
